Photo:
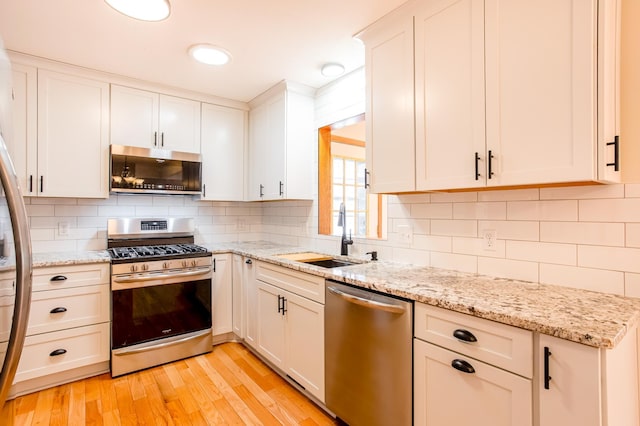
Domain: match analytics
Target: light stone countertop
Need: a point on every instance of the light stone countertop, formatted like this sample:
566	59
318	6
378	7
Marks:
587	317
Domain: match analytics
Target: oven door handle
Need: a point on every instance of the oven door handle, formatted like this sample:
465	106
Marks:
153	346
141	278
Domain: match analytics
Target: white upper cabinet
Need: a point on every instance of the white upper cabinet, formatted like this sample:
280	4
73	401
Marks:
281	143
389	101
73	137
507	92
23	143
152	120
223	153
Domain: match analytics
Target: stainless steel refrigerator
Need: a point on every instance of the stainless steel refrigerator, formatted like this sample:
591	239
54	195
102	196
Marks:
15	243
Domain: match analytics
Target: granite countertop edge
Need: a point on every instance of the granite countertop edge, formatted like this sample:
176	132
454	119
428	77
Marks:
595	319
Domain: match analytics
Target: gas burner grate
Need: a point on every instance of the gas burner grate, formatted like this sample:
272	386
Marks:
150	251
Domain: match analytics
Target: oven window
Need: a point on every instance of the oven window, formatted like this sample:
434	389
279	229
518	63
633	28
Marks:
149	313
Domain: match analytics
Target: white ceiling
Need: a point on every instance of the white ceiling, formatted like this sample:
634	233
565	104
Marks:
270	40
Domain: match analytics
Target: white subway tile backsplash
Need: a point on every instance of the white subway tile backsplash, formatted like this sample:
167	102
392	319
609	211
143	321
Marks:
611	258
53	246
453	197
631	284
564	254
585	278
632	234
413	257
152	211
557	210
167	200
592	233
632	190
64	210
508	268
615	210
473	246
457	262
510	195
116	211
39	210
484	211
432	211
454	228
432	243
582	192
135	200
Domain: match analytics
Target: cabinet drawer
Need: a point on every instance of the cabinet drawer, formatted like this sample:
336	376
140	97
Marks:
504	346
488	396
69	307
70	276
7	283
305	285
6	316
83	346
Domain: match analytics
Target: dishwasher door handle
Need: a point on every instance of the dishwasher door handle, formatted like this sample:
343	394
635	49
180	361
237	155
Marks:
387	307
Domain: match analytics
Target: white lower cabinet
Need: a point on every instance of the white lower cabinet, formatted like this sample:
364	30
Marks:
251	303
290	328
222	295
68	336
470	371
483	395
238	297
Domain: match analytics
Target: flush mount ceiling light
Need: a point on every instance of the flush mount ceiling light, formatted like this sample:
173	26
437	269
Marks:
209	54
332	70
144	10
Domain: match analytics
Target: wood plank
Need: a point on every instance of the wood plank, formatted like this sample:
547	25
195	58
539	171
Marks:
60	411
77	403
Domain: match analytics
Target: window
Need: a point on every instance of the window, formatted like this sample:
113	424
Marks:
341	176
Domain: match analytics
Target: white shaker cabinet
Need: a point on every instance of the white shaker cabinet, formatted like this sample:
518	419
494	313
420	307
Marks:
223	153
281	143
73	137
222	295
239	301
151	120
584	385
251	303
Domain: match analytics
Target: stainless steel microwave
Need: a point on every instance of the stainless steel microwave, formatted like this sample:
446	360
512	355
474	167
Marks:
154	171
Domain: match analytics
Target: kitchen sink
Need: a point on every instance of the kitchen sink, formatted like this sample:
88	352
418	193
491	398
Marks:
330	263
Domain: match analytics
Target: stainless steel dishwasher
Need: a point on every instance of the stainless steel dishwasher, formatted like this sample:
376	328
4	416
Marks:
368	356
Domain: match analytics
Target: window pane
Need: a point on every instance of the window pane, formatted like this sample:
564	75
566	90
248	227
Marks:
350	197
338	170
349	172
350	223
360	176
337	196
334	224
362	198
362	224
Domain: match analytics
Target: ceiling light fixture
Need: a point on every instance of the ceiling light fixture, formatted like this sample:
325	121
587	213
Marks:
144	10
332	70
209	54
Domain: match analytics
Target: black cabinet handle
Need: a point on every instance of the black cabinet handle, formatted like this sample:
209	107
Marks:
464	335
284	305
41	183
248	261
204	189
58	310
366	181
462	365
58	352
30	183
214	264
162	139
58	278
616	153
547	377
261	190
280	303
477	159
155	138
489	165
281	188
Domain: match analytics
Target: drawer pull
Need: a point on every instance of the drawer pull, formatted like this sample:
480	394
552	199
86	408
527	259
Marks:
58	310
58	278
547	377
462	365
464	335
58	352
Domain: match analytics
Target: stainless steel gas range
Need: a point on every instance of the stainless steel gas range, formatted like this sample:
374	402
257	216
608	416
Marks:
160	293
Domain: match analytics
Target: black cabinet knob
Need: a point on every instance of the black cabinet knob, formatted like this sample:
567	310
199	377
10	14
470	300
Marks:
464	335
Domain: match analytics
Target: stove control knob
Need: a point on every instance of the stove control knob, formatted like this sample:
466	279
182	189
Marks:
194	263
133	268
145	267
184	263
165	265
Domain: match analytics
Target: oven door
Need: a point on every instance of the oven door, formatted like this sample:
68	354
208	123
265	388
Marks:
159	317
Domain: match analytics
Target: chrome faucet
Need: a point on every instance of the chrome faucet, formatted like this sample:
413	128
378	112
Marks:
344	245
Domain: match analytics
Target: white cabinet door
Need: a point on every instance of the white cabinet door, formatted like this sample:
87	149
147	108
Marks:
450	133
305	343
222	295
134	117
489	396
271	323
73	136
390	105
222	148
541	87
179	124
23	143
574	394
238	296
251	303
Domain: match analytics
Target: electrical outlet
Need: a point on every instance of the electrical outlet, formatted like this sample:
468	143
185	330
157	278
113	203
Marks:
63	229
489	238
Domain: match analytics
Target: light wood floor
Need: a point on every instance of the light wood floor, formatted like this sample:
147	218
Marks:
227	386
